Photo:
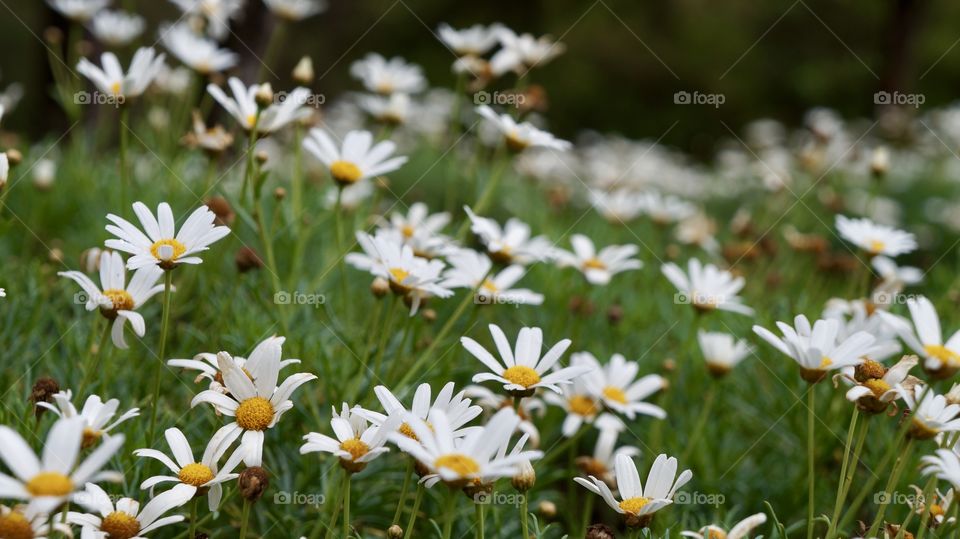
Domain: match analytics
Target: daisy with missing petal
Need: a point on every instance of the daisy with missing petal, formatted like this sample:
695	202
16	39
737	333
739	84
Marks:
296	10
458	410
707	288
523	370
116	28
385	77
874	385
96	415
941	360
197	52
470	269
255	404
357	442
510	244
721	351
638	504
523	135
356	159
162	245
818	349
112	80
26	522
56	477
245	110
617	387
602	462
875	239
118	301
598	267
78	10
198	476
209	368
740	530
126	519
931	414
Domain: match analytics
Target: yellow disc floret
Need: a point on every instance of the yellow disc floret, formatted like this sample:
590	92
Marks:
49	484
195	474
521	376
356	447
460	464
121	299
877	386
582	406
14	525
634	505
345	172
945	355
615	394
255	413
594	263
120	525
177	247
90	437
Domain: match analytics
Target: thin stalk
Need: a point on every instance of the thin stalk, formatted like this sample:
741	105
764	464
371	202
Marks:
244	520
450	511
524	515
928	494
891	484
403	491
296	203
164	326
124	143
408	533
333	519
485	198
831	531
479	514
96	360
811	448
346	505
193	518
701	423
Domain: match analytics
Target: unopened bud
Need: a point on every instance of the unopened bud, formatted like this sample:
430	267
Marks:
395	532
303	72
247	259
379	287
262	157
600	531
547	509
429	315
264	95
14	156
526	478
279	193
880	161
53	35
253	481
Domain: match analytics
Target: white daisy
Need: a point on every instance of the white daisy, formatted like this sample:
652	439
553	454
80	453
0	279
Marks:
576	399
127	518
875	239
665	209
941	360
55	477
255	404
209	368
617	206
520	136
512	243
520	53
616	385
523	370
393	109
385	77
26	522
296	10
458	410
162	245
476	40
357	442
598	267
874	386
116	28
638	504
350	197
78	10
930	414
244	109
216	14
470	269
357	158
197	52
420	229
707	287
895	277
112	80
945	465
198	476
96	415
818	349
864	315
722	351
740	530
118	301
602	462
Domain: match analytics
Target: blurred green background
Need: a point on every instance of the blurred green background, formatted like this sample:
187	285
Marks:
625	58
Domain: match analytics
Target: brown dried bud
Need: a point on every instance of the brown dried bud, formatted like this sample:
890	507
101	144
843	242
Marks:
395	532
247	259
279	193
253	481
615	314
869	370
379	287
547	509
600	531
14	157
43	391
222	209
429	315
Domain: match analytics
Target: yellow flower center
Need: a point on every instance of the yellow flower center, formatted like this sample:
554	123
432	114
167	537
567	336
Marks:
195	474
879	387
876	246
49	484
615	394
407	231
14	525
942	353
345	172
634	505
522	376
356	447
120	525
460	464
407	430
399	274
936	510
825	362
489	286
594	263
251	119
385	88
515	143
167	250
582	405
116	87
90	437
255	413
713	533
121	299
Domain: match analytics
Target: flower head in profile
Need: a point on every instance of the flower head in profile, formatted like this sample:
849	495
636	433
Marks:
420	229
296	10
722	351
706	287
521	52
931	414
193	477
616	385
578	400
118	300
665	209
197	52
112	80
523	135
356	159
116	28
874	386
740	530
357	442
386	77
58	475
522	370
945	465
212	140
98	416
126	518
637	503
245	110
941	360
875	239
511	243
458	410
78	10
160	243
470	269
598	267
476	40
209	368
894	277
394	109
602	462
818	349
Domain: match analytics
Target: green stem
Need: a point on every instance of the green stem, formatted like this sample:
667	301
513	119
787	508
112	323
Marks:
485	198
408	533
891	485
96	361
346	505
164	326
524	515
244	520
701	422
124	143
838	504
193	518
333	519
926	503
479	513
811	448
403	491
450	513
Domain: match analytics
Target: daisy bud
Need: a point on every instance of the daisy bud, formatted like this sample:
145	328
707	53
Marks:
43	391
222	209
262	157
478	492
394	532
55	255
44	172
429	315
600	531
90	259
525	478
303	72
547	509
4	170
247	259
953	396
53	35
880	161
379	287
264	95
253	481
14	156
869	370
279	193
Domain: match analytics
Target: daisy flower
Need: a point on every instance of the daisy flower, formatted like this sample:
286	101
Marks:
420	229
216	14
740	530
54	478
945	465
458	462
941	360
520	53
638	504
598	267
162	245
27	522
510	244
458	410
256	405
602	461
112	80
707	287
213	140
618	206
722	351
617	387
576	399
875	239
118	301
196	52
116	28
476	40
296	10
665	209
245	110
470	269
127	518
874	386
818	349
96	415
939	506
197	476
528	408
78	10
385	77
357	442
930	414
209	368
895	277
523	370
356	159
393	109
523	135
863	315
